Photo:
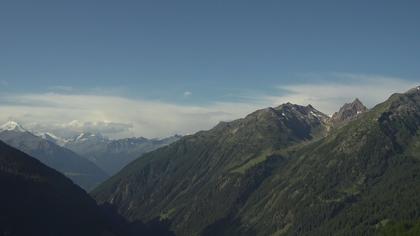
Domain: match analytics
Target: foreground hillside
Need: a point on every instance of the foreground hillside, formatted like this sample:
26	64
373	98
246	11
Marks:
37	200
282	171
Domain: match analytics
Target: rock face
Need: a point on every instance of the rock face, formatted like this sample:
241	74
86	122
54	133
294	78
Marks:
279	172
348	112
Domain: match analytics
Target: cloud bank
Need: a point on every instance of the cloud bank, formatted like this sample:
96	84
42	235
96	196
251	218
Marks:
64	113
114	116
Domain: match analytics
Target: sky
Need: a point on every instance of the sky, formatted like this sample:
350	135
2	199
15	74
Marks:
157	68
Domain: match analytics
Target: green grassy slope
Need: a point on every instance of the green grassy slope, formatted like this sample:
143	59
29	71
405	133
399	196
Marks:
273	173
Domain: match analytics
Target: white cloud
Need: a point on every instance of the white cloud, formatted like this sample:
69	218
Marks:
117	116
187	93
76	127
137	117
61	88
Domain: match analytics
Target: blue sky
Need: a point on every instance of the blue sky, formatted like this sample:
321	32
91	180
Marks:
200	54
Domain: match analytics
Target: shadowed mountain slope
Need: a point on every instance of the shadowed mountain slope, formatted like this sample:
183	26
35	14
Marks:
37	200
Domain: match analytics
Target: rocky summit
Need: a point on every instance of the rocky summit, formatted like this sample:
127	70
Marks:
348	112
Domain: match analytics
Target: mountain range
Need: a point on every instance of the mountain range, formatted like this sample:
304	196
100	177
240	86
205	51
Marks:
112	155
88	159
77	168
288	170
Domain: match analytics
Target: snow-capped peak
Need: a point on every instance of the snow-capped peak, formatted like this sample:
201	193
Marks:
47	135
80	137
12	126
52	138
87	136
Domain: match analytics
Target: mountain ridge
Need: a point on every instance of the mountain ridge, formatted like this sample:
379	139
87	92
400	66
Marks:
348	112
109	155
224	153
225	181
12	126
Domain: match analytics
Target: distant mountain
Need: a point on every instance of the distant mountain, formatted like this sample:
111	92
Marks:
37	200
348	112
52	138
112	155
77	168
12	126
283	171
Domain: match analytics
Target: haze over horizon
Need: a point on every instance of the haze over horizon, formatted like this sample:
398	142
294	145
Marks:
158	68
